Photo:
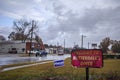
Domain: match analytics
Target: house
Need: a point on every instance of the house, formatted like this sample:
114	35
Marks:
18	46
7	46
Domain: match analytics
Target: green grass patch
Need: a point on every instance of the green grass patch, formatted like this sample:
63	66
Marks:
110	71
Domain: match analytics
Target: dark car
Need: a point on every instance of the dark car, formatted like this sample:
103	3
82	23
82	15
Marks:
41	53
13	51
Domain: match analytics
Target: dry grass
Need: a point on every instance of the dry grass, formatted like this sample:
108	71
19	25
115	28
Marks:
41	72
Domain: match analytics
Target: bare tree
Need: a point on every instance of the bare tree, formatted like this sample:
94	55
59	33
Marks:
39	41
11	36
23	29
20	28
32	29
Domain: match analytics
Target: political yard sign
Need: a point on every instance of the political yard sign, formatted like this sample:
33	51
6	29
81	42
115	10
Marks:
86	58
58	63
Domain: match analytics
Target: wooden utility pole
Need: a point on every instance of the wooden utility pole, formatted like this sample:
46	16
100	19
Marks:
31	37
64	46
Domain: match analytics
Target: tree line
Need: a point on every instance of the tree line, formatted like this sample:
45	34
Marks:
108	44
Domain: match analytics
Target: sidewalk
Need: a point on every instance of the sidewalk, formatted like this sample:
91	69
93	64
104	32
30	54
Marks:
12	68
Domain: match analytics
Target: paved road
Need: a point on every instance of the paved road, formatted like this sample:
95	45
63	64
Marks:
13	58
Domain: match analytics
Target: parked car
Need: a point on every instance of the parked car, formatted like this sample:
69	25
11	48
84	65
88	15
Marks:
13	50
61	53
41	53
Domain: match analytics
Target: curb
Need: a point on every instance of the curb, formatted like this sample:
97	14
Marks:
17	67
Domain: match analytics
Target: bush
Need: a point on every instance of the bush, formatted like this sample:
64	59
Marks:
111	56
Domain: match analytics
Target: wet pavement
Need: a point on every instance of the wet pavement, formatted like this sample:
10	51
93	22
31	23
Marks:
13	58
22	66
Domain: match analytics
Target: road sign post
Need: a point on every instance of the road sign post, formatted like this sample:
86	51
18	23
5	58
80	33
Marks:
87	73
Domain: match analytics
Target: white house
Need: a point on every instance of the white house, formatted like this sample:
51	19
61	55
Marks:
6	46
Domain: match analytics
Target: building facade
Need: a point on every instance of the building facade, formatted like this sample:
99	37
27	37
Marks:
7	46
18	46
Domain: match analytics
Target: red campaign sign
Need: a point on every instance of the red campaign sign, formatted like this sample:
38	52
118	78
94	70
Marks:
87	58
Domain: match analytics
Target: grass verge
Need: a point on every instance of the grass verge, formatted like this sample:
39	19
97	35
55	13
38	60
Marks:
110	71
20	64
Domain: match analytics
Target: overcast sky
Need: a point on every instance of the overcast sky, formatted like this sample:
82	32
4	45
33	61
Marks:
65	19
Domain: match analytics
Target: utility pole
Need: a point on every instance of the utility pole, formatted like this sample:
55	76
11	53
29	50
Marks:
31	37
87	69
82	41
88	45
64	46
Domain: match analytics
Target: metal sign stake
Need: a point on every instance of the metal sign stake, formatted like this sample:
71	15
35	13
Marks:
87	73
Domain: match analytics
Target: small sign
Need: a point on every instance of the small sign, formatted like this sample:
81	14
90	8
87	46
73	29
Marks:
59	63
87	58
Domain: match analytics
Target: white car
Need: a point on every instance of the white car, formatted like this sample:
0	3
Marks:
33	51
60	53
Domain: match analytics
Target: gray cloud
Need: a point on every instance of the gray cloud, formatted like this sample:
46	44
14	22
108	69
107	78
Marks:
5	31
97	23
69	19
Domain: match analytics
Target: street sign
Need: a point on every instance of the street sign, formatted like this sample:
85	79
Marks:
59	63
86	58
